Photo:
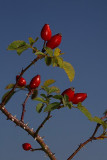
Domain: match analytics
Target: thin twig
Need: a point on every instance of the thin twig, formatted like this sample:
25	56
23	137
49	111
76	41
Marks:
37	149
15	85
89	140
44	121
23	105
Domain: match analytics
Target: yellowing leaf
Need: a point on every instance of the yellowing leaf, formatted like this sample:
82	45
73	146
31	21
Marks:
54	89
9	86
69	70
57	52
49	82
60	62
31	40
49	51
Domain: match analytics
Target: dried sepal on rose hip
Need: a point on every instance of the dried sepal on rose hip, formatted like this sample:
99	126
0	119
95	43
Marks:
79	97
54	41
69	92
35	82
46	32
21	81
26	146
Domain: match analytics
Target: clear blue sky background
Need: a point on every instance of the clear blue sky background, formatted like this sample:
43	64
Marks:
83	24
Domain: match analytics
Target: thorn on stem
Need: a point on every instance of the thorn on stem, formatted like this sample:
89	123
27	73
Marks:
35	139
26	124
3	108
13	119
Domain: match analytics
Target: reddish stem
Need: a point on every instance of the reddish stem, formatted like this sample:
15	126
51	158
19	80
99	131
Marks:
42	124
22	72
23	105
30	131
89	140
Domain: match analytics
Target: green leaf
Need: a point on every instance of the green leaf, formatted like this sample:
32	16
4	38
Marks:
8	96
49	51
58	97
34	95
60	62
19	46
69	105
69	70
54	89
85	111
98	120
39	107
89	116
51	106
49	82
39	99
40	53
9	86
55	61
57	52
43	95
36	39
105	125
31	41
65	100
45	88
48	60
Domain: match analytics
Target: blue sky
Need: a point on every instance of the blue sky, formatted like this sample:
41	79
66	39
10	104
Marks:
83	25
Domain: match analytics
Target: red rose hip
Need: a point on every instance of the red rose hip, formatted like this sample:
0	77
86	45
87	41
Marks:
26	146
46	32
21	82
69	92
79	97
54	41
35	82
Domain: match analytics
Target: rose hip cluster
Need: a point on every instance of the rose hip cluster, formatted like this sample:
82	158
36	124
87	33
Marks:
52	41
75	98
34	83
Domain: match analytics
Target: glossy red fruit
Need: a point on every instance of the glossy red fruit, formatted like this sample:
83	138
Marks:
46	32
26	146
35	82
21	82
79	97
69	92
54	41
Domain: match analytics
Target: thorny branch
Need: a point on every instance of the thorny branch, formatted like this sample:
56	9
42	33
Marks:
21	124
23	106
30	131
22	72
89	140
